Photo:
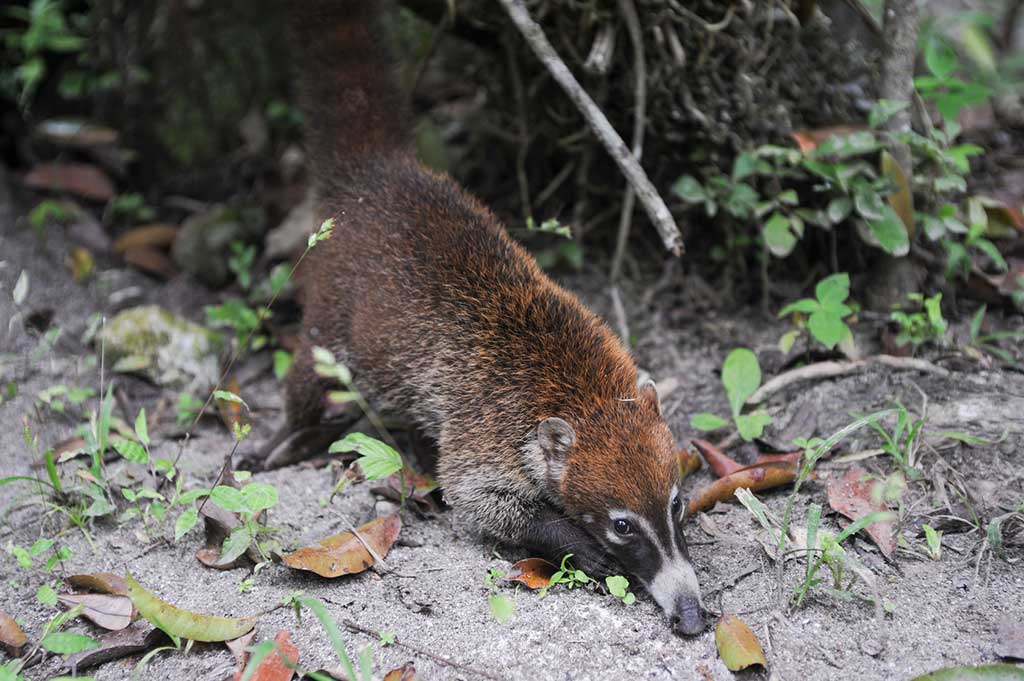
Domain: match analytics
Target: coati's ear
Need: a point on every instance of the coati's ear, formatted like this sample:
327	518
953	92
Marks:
649	394
555	437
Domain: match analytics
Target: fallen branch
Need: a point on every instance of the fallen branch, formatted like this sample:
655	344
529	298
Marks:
822	370
355	626
655	206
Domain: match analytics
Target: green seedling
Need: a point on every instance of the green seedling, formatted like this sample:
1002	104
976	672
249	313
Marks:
925	324
825	314
618	586
741	376
933	539
566	575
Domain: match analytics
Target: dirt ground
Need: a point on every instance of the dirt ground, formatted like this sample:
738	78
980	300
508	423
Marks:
937	614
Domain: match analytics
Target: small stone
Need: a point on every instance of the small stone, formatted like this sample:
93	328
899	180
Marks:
289	238
203	242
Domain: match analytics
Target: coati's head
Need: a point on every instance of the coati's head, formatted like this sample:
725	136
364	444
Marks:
617	476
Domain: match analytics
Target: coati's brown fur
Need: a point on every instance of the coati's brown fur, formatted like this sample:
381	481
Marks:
443	318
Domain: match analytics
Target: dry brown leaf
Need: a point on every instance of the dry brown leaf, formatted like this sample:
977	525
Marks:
407	672
851	496
158	236
534	573
80	179
737	645
756	477
100	582
689	463
12	638
902	201
139	637
110	612
345	554
788	457
239	649
719	462
231	413
151	261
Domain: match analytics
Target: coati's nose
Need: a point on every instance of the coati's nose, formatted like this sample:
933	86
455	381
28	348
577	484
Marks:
688	618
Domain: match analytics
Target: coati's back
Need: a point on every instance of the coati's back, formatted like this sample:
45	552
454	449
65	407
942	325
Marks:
545	438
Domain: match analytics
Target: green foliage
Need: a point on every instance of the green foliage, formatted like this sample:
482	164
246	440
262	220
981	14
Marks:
44	29
950	94
377	460
826	312
989	342
934	541
130	208
567	576
925	324
240	263
741	376
618	586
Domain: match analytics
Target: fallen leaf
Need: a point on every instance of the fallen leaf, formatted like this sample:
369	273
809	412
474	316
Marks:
851	496
110	612
720	463
689	463
151	261
988	672
407	672
184	623
756	477
156	236
1010	641
419	488
80	179
737	645
345	554
210	557
12	638
139	637
788	457
239	649
69	449
279	664
534	573
100	582
902	200
808	140
74	132
81	263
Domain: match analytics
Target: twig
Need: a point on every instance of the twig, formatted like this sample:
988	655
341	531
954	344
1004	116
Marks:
628	10
821	370
355	626
620	314
655	206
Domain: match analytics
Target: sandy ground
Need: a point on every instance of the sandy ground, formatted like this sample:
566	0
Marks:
938	613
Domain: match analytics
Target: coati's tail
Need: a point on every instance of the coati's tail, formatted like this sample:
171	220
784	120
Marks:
349	97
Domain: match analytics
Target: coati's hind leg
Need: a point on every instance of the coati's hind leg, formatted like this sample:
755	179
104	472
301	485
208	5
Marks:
302	435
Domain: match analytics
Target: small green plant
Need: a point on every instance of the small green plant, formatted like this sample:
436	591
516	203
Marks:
130	208
187	408
502	608
741	376
825	312
950	94
240	263
933	539
922	325
57	396
567	576
903	442
550	226
958	259
989	342
618	586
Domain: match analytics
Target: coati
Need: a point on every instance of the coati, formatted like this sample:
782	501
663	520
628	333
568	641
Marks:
545	437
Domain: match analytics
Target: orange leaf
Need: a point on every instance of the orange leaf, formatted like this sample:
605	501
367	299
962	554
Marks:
851	495
231	412
407	672
756	477
808	140
689	463
345	554
737	645
12	638
534	573
720	463
157	236
788	457
279	664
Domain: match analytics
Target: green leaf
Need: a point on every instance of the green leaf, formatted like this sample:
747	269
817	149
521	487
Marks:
235	545
889	233
752	425
141	429
744	166
132	451
787	341
689	189
282	363
502	609
617	585
778	236
940	58
331	628
805	305
378	460
741	375
989	249
46	595
707	422
838	209
827	327
186	521
256	656
228	498
68	643
228	396
259	496
976	322
833	289
990	672
883	110
183	623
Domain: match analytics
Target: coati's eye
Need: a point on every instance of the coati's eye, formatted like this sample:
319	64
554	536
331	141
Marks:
676	506
623	527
